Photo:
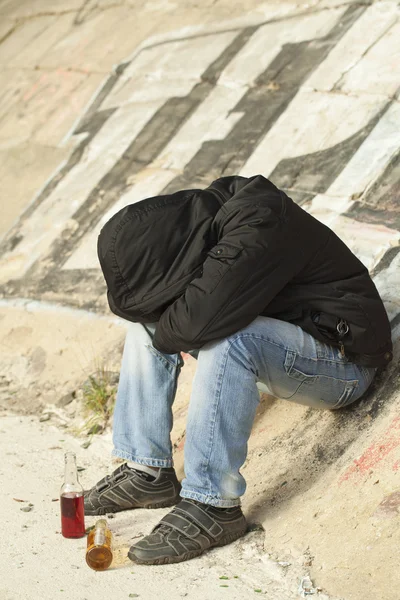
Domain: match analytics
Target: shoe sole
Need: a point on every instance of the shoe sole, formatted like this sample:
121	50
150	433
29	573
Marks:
165	560
104	511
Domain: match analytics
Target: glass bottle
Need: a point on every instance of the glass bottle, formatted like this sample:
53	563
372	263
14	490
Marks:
71	501
99	553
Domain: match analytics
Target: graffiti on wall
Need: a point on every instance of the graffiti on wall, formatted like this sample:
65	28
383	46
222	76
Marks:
310	101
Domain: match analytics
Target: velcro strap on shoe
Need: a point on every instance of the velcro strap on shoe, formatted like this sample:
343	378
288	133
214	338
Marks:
200	517
181	524
119	475
103	484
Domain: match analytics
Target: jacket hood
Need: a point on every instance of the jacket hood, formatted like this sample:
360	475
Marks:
152	249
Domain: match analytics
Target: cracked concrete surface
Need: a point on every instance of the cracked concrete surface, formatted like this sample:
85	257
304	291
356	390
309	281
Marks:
103	103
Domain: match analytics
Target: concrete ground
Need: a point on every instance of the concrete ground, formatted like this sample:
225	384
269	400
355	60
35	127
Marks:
103	103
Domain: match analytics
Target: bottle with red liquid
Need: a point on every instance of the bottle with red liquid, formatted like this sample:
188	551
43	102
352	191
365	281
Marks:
71	501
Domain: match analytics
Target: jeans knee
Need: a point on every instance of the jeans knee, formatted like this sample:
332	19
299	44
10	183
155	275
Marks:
238	347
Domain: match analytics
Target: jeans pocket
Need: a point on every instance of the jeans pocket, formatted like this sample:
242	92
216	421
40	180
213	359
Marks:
171	361
319	388
299	370
349	390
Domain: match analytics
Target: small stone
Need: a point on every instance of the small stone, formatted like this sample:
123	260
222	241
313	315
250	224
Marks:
66	399
45	417
96	428
26	508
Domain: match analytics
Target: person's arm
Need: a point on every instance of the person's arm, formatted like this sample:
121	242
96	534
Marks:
241	275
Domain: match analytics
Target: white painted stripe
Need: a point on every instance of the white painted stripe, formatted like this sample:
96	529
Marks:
375	21
371	158
267	42
108	145
146	184
168	70
369	242
269	12
388	284
212	120
51	217
313	121
379	69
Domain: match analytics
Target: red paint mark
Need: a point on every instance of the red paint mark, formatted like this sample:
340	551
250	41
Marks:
396	465
376	452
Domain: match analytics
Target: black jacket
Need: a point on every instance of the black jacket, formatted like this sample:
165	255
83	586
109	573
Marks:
206	263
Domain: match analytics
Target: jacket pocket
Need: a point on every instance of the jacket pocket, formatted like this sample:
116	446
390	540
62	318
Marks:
218	262
224	251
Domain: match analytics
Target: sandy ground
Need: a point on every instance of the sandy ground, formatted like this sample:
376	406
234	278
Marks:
324	487
40	563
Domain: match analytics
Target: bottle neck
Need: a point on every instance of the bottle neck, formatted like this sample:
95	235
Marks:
71	472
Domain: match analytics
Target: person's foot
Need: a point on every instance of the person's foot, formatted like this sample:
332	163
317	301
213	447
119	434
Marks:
128	488
187	531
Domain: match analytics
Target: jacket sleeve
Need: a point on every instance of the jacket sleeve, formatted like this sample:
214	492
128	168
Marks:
241	274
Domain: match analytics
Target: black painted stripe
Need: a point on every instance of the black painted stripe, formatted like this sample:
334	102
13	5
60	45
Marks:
313	173
143	150
395	321
386	260
380	204
262	105
96	122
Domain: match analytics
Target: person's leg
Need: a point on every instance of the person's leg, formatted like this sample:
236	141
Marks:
292	365
221	412
141	431
143	412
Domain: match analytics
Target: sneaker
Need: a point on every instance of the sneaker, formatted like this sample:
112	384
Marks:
128	488
187	531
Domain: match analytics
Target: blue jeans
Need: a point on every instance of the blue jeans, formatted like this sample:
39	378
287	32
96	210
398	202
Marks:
287	362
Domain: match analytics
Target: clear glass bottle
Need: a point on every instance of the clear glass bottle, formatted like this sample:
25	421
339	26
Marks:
99	547
71	501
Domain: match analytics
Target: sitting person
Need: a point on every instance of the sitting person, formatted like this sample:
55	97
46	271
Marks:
259	291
